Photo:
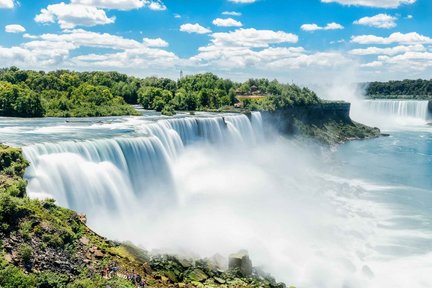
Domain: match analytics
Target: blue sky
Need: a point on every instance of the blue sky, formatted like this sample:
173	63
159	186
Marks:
306	41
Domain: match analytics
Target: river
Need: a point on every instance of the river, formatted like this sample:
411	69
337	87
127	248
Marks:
358	215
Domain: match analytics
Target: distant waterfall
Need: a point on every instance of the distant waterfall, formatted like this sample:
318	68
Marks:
399	108
110	174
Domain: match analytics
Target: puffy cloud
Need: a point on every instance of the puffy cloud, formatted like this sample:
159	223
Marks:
71	15
253	49
272	58
406	62
157	42
122	4
314	27
231	13
253	38
194	28
14	28
7	4
228	22
387	51
50	50
397	37
378	21
372	3
157	6
242	1
112	4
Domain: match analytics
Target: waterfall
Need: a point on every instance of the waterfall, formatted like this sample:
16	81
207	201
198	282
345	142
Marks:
106	175
402	109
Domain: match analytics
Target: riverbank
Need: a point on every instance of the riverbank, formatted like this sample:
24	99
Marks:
43	245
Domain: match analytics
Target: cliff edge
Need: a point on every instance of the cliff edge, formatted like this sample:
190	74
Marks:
328	122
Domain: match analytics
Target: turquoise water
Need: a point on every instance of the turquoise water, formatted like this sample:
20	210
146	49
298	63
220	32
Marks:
398	169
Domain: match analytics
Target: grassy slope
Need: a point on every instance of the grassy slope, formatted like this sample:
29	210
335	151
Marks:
43	245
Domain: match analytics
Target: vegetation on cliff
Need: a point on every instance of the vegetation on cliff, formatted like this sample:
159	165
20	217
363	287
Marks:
405	89
46	246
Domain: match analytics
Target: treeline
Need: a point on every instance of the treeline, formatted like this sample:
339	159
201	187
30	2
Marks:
62	93
416	89
26	93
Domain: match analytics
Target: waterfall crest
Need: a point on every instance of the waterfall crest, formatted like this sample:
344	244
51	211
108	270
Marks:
399	108
107	173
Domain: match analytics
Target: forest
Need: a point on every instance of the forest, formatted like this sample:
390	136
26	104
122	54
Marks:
63	93
410	89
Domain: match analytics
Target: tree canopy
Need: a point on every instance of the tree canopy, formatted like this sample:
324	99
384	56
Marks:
63	93
421	89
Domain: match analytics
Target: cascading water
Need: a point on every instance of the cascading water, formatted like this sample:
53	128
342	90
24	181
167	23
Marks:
107	174
216	184
400	111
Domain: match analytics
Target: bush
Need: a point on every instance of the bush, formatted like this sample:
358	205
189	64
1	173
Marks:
51	280
12	277
168	110
25	253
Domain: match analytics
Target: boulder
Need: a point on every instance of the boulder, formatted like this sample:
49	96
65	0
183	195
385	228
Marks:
84	240
98	254
197	275
242	262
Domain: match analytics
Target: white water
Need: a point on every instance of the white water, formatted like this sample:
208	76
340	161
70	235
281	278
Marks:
400	111
206	185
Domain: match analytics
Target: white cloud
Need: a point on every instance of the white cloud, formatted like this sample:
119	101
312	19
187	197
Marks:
157	6
267	59
253	38
112	4
253	49
242	1
14	28
397	37
7	4
231	13
71	15
156	42
409	61
315	27
372	3
387	51
228	22
194	28
378	21
54	50
373	64
409	17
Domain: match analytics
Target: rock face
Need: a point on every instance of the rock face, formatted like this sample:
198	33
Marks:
242	262
326	122
430	110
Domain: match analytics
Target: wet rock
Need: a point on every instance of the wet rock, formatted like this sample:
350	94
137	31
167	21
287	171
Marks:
147	269
185	263
197	275
219	280
171	276
242	262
